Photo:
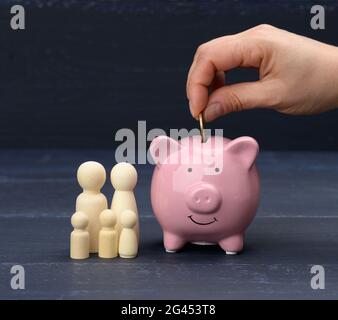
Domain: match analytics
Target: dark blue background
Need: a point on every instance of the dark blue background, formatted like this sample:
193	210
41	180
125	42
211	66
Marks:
83	69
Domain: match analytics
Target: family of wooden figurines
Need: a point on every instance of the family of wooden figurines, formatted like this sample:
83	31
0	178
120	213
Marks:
109	232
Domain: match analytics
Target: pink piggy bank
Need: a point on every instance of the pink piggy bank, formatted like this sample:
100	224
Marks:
204	193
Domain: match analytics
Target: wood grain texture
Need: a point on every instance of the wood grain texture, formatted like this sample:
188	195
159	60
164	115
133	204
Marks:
296	227
276	264
293	183
83	69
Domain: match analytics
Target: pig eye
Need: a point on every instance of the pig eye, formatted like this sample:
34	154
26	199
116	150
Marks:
217	169
189	169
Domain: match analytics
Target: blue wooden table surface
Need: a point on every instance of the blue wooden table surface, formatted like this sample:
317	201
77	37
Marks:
296	227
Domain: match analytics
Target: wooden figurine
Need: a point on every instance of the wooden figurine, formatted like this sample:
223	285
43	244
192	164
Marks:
108	236
124	178
128	244
91	176
79	238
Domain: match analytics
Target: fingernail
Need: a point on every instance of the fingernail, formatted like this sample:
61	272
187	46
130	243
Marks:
213	111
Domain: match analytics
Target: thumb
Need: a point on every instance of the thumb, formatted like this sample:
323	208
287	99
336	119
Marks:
241	96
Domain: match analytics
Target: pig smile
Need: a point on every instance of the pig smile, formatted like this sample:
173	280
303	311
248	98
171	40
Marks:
200	223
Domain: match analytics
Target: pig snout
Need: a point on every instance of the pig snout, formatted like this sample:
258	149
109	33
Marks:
203	198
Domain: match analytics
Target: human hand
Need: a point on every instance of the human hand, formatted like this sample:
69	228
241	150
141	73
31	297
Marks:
297	75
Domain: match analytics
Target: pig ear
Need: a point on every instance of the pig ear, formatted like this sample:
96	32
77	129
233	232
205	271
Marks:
245	149
162	147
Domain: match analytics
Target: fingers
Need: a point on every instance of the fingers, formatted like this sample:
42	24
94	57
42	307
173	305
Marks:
198	84
218	81
221	54
242	96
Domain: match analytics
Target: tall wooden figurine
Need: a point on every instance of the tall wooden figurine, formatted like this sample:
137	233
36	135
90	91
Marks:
124	178
91	176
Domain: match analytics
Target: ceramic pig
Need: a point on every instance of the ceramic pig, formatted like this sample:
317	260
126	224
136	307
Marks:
204	193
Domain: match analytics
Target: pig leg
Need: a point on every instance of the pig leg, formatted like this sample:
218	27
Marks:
172	242
233	244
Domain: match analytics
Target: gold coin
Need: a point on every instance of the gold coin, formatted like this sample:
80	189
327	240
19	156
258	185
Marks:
201	122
